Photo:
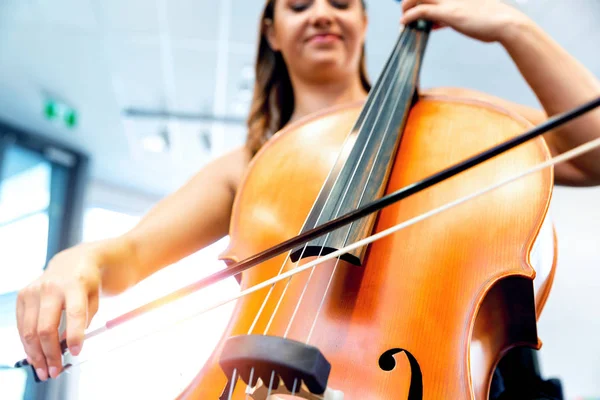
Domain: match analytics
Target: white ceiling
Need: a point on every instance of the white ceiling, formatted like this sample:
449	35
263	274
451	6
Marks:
194	56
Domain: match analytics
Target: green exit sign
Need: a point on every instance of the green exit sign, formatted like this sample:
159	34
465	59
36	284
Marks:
54	110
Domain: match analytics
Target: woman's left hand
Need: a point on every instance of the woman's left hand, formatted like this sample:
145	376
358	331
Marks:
485	20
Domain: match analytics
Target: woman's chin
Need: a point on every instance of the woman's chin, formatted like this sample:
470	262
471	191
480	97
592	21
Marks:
328	65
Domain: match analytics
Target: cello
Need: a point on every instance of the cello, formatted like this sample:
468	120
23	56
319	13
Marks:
423	313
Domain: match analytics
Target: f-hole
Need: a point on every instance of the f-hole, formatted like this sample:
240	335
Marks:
387	362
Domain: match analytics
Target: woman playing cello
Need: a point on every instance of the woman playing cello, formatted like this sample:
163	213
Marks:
310	58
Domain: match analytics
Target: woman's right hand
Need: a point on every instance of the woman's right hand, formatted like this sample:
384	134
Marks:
71	282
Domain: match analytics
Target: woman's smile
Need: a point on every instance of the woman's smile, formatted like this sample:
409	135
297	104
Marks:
324	38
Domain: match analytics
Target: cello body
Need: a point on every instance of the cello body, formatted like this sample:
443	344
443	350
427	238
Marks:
434	306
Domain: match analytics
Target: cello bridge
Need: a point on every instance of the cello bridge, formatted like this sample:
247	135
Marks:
261	392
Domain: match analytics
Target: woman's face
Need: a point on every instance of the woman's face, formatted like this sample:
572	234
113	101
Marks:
319	38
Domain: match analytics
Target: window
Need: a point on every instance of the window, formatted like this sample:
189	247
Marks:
24	202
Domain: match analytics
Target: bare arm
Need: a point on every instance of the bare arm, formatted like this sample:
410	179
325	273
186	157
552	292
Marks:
186	221
558	80
560	83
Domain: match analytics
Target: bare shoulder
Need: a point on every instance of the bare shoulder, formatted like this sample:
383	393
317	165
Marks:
232	166
533	115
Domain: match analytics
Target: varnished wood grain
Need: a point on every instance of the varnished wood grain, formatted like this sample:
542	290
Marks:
440	289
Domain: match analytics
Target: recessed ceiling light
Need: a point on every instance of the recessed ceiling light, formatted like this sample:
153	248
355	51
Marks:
156	143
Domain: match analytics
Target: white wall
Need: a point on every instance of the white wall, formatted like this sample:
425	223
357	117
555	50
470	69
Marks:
106	195
570	324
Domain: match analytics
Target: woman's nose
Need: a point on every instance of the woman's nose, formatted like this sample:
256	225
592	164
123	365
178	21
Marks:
322	12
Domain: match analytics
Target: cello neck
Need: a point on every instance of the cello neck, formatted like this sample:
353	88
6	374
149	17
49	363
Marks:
361	171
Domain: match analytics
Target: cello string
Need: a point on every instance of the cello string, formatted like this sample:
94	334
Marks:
361	122
365	116
407	71
270	385
401	57
340	203
575	152
231	386
386	73
379	87
401	76
250	382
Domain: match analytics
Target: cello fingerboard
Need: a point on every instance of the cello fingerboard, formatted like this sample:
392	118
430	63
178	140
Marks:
362	169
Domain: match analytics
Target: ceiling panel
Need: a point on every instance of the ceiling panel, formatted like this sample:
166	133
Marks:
191	138
240	84
148	171
245	16
193	70
128	16
77	14
73	74
62	14
193	19
137	70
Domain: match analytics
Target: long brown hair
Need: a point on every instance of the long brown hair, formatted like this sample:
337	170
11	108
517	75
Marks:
273	100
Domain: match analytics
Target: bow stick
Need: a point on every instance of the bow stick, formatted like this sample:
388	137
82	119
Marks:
360	212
